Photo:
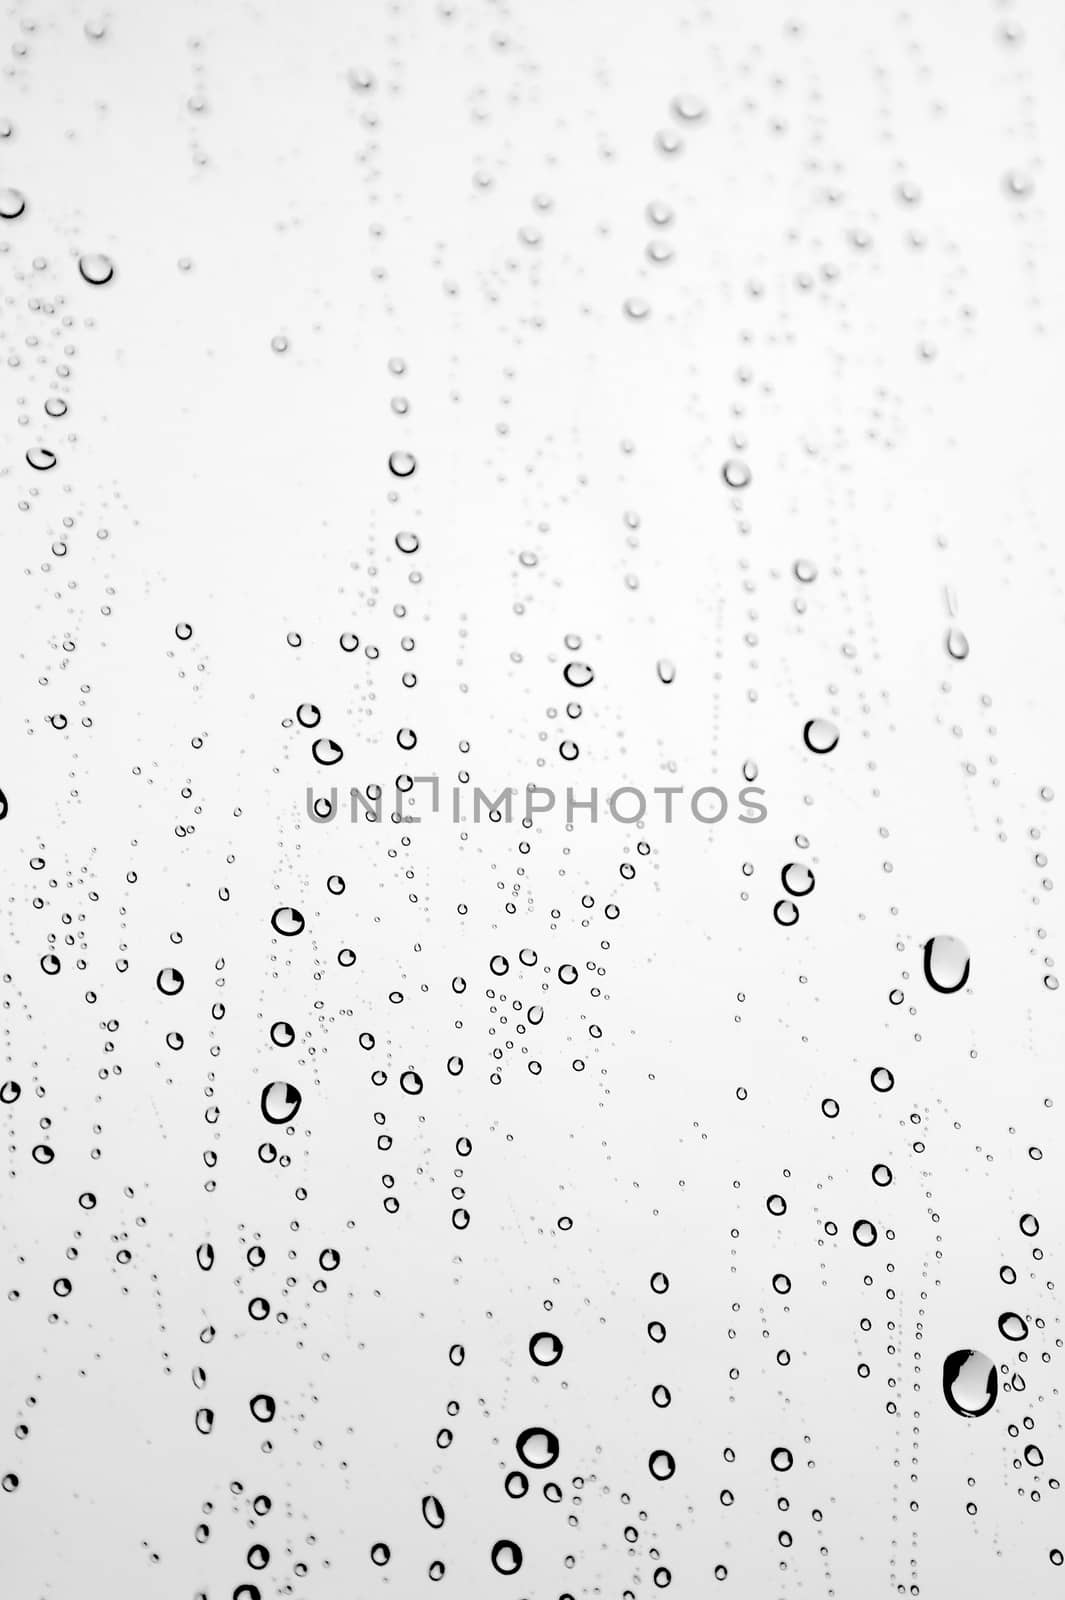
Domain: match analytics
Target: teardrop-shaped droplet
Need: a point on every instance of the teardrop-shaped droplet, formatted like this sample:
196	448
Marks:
970	1383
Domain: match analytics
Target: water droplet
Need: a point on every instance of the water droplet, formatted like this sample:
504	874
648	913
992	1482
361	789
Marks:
506	1557
287	921
688	108
970	1383
820	736
1012	1327
946	963
326	752
736	473
96	269
957	644
545	1349
280	1101
797	878
12	204
401	463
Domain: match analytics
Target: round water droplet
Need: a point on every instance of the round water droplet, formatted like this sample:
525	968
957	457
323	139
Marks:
666	670
661	1465
170	981
804	570
12	204
736	473
401	463
96	269
970	1383
578	674
1012	1327
280	1101
786	913
820	736
781	1459
688	108
864	1232
545	1349
287	921
41	459
326	752
797	878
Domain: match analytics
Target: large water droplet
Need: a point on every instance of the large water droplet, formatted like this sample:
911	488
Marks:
946	963
96	269
797	878
970	1383
506	1556
820	736
545	1349
280	1101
